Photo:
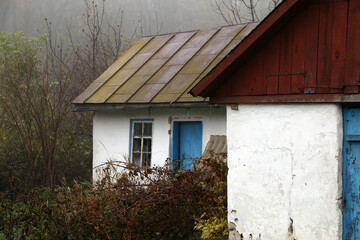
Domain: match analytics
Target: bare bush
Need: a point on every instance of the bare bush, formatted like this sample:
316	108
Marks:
41	139
171	205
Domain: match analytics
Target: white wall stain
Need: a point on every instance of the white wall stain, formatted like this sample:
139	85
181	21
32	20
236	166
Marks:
284	178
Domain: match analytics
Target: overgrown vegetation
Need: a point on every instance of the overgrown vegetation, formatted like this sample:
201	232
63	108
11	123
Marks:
41	139
134	203
45	151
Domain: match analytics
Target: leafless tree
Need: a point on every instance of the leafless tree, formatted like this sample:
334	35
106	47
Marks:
39	133
241	11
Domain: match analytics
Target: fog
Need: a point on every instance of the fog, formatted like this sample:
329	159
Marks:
148	17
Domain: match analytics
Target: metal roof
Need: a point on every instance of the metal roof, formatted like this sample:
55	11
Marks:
162	69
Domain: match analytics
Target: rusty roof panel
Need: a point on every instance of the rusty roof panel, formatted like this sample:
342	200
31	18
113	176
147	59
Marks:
230	30
156	43
186	95
132	86
138	60
151	67
166	98
117	98
197	64
200	38
183	56
165	74
120	77
216	45
168	50
183	36
189	98
146	93
113	68
243	32
164	68
175	88
88	92
118	64
180	83
102	94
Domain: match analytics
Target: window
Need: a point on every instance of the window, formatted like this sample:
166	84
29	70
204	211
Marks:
141	141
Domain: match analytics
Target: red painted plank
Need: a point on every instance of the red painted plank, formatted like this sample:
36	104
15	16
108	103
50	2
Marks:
271	65
286	58
337	70
312	38
298	52
242	80
256	74
329	33
248	80
352	69
324	50
224	89
264	30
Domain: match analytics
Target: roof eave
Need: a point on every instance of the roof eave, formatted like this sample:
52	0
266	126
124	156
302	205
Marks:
81	107
267	28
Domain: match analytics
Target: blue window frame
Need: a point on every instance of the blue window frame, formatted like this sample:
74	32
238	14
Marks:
141	141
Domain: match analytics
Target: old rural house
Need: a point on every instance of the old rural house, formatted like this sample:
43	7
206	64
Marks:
293	123
143	112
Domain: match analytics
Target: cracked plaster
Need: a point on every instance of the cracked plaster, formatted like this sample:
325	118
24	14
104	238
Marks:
284	177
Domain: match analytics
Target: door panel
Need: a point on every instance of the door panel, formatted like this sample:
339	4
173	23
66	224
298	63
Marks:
351	174
186	144
190	143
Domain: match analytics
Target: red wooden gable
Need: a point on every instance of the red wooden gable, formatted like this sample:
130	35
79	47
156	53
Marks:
303	51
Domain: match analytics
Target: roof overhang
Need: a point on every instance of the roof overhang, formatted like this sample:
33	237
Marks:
118	106
263	32
294	98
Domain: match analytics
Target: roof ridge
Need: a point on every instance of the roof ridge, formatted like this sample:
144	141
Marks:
198	30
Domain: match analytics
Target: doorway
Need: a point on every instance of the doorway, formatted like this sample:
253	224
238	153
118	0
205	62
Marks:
351	173
186	144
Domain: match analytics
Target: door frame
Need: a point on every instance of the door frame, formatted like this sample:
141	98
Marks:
348	140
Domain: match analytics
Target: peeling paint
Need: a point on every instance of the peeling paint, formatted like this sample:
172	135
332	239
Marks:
291	235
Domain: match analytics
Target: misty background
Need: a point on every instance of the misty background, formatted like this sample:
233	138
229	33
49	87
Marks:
146	17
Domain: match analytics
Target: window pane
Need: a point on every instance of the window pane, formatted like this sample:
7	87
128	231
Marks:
137	129
146	144
136	158
147	129
146	160
137	145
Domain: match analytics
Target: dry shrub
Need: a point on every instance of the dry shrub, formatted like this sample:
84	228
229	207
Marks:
142	204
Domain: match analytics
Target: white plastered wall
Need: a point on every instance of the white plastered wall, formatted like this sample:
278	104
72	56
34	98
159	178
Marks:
284	178
111	131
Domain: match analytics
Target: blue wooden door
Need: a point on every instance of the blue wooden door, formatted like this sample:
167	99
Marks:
186	144
351	174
